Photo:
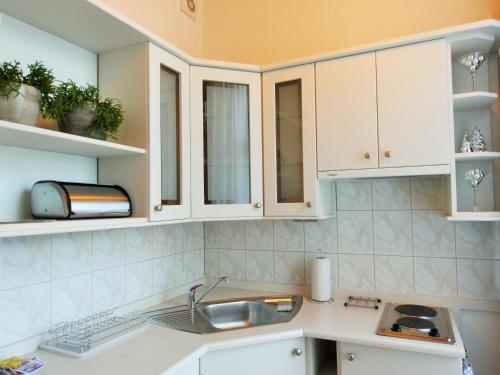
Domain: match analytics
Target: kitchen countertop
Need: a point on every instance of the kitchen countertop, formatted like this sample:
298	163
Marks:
159	350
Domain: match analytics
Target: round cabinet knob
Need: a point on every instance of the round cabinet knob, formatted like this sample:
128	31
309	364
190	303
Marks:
309	204
258	205
350	357
387	154
159	208
367	155
297	352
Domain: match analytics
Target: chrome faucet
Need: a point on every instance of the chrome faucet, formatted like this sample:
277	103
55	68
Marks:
192	300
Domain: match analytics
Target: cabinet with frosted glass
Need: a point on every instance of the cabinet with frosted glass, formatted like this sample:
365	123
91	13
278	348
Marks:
226	151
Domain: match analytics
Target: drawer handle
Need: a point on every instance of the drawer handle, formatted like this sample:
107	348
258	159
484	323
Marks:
297	352
257	205
350	357
309	204
159	207
387	154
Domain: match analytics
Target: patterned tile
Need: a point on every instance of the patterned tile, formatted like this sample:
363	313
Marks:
289	267
71	254
232	235
139	280
288	235
164	240
355	232
394	274
391	194
392	232
259	235
354	195
436	276
478	240
232	263
212	262
427	193
71	298
321	236
479	279
184	268
211	235
139	244
163	273
433	235
259	266
356	272
108	288
108	248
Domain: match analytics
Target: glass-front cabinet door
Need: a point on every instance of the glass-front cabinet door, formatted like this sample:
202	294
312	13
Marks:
226	143
290	180
169	136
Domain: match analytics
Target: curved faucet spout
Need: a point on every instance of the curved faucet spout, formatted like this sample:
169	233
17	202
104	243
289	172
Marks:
192	300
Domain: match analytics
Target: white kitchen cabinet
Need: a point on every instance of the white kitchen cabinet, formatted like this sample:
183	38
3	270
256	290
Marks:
283	357
189	368
356	359
346	99
413	105
226	143
290	181
168	136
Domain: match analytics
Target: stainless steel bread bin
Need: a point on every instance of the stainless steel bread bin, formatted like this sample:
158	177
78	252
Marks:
72	200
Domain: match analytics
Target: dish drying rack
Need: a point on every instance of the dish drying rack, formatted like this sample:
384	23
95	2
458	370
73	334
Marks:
80	336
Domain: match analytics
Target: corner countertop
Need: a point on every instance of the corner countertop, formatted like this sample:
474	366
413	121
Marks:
159	350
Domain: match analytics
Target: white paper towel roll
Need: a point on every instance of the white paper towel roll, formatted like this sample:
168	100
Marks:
321	289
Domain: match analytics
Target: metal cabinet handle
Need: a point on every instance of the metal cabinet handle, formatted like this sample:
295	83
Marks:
297	352
309	204
257	205
387	154
159	207
367	155
350	357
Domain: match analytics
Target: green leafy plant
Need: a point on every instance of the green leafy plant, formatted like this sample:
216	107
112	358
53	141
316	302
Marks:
108	112
37	75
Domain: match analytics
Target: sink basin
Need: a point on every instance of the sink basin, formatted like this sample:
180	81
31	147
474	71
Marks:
223	315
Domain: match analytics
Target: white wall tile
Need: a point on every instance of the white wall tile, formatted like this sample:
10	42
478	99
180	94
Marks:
321	236
212	262
259	235
195	234
354	195
138	280
164	240
232	263
139	244
391	194
211	235
163	273
289	267
184	268
71	298
232	235
479	279
108	288
199	264
24	261
356	271
478	240
288	235
436	276
392	233
71	254
108	248
259	266
433	235
180	238
355	232
334	267
427	193
24	312
394	274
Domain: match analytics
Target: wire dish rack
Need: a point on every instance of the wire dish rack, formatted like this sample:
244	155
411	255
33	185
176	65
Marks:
80	336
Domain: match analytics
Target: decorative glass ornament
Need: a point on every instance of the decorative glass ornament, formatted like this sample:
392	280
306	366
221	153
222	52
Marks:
472	62
466	145
475	177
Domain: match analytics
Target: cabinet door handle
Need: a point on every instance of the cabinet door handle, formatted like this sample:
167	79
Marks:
258	205
387	154
309	204
159	207
297	352
367	155
350	357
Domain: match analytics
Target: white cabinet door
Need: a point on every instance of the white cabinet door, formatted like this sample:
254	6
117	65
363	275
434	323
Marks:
277	358
226	143
413	105
169	165
290	181
355	359
346	99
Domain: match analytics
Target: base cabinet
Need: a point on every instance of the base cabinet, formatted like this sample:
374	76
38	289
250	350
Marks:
360	360
284	357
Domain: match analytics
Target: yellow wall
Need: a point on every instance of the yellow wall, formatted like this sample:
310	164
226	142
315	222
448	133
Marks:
265	31
164	18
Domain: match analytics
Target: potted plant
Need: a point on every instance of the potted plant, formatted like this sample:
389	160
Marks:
24	95
80	110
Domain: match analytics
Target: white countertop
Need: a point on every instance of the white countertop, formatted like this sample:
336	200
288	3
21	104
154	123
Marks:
159	350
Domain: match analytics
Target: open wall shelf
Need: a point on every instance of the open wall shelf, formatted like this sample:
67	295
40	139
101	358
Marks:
473	101
471	156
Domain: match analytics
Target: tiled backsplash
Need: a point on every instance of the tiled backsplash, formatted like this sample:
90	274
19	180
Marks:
389	235
47	279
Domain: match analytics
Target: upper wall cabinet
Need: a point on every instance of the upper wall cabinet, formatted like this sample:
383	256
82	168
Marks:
413	105
290	182
346	100
226	149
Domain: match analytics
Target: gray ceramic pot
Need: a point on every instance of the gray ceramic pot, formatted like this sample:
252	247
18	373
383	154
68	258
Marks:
78	121
22	107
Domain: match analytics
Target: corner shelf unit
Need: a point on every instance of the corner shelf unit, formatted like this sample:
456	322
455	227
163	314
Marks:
476	156
473	101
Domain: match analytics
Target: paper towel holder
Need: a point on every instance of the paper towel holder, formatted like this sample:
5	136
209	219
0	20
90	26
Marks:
321	302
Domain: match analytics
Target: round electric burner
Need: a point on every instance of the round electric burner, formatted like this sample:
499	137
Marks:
416	311
420	324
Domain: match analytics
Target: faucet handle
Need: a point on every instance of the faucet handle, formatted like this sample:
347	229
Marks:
192	290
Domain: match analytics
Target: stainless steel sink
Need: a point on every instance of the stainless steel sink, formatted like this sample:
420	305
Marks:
223	315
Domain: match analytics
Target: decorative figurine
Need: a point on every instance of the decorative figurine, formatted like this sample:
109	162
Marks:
477	141
466	145
472	62
475	177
